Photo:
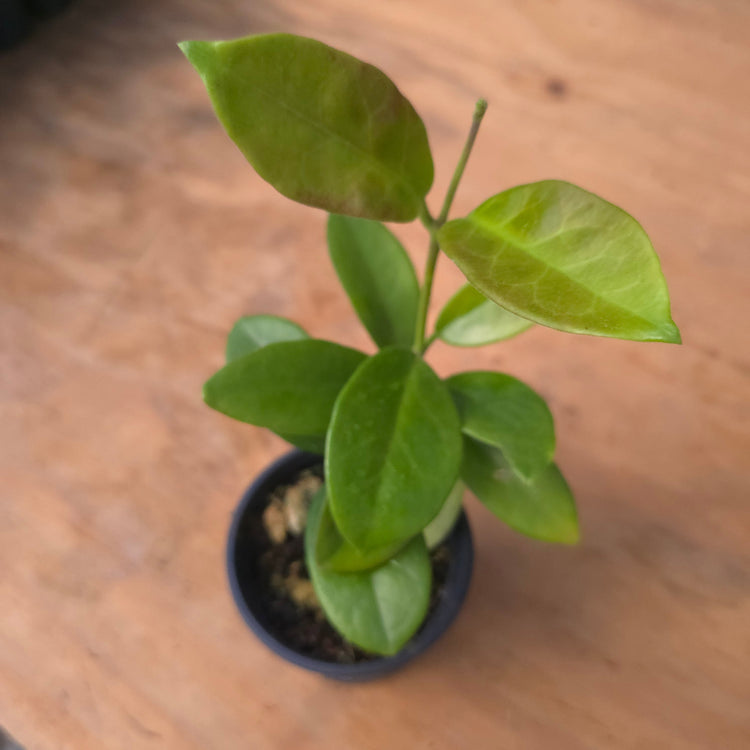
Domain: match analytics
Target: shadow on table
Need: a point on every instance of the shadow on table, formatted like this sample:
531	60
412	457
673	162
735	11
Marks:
102	87
118	37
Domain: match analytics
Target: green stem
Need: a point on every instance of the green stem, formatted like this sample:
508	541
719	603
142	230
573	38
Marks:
432	225
424	292
479	111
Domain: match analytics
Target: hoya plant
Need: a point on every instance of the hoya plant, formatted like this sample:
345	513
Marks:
335	133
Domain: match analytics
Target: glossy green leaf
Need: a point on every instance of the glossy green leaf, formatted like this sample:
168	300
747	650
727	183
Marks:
440	526
289	387
560	256
470	319
324	128
378	276
393	450
333	552
504	412
256	331
543	508
378	610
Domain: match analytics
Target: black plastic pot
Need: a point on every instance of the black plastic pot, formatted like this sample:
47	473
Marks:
240	570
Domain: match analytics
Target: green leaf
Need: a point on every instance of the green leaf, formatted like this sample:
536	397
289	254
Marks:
333	552
289	387
470	319
393	450
324	128
543	508
256	331
378	610
504	412
378	276
442	525
560	256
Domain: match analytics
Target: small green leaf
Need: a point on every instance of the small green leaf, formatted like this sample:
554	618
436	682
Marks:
470	319
333	552
563	257
255	331
440	526
543	508
324	128
504	412
378	276
378	610
289	387
393	450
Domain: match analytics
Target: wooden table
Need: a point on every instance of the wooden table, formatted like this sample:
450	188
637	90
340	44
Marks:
132	234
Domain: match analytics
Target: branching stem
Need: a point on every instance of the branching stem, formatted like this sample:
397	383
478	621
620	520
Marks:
432	225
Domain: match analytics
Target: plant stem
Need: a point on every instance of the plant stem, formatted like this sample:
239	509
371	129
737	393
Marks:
432	225
479	111
424	292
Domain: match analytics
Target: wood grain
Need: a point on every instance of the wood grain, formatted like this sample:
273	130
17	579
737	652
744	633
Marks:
132	234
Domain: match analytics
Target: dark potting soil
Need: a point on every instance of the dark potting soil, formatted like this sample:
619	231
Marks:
303	627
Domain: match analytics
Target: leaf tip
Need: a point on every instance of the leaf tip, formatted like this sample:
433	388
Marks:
393	648
667	333
572	535
197	52
673	334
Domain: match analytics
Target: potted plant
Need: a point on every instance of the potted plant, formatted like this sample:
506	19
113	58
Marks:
388	442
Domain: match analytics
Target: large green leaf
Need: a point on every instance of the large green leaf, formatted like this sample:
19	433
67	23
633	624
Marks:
289	387
256	331
324	128
560	256
393	450
543	508
378	610
504	412
378	276
333	552
470	319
